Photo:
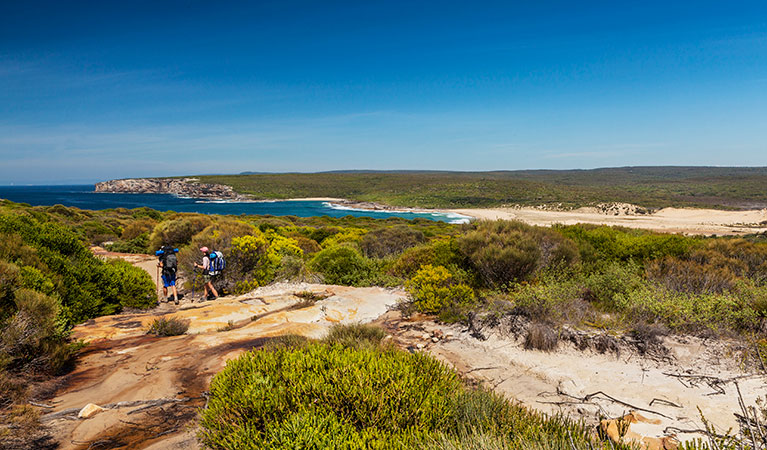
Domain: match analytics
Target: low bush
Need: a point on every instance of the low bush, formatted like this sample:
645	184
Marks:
440	252
34	338
390	241
178	231
602	244
351	236
688	312
685	275
329	396
552	299
541	336
134	287
142	226
138	244
434	290
342	265
168	326
616	278
355	336
504	252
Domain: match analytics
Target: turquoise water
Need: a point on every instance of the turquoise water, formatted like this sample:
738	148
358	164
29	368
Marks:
82	196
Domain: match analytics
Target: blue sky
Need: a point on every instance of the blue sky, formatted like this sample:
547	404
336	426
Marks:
98	90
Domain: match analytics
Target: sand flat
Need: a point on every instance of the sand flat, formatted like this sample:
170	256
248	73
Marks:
671	220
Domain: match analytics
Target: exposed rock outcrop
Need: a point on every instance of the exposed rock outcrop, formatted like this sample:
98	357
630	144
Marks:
185	187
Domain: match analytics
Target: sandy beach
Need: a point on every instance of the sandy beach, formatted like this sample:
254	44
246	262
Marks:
670	220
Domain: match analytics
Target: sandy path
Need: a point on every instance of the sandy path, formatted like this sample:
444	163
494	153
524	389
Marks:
122	364
670	220
556	381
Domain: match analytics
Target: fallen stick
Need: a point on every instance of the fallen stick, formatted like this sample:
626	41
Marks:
664	402
40	405
621	402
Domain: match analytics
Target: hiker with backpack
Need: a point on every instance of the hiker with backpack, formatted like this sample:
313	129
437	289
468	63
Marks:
169	263
212	266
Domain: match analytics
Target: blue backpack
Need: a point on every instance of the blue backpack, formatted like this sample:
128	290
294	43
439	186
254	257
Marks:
217	263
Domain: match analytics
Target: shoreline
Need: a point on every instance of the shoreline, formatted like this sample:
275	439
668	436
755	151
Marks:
689	221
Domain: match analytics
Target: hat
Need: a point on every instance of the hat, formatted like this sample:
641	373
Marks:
204	249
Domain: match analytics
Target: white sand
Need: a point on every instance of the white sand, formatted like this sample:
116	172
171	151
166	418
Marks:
670	220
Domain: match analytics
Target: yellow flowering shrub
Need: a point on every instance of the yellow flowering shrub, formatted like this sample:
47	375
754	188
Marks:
434	289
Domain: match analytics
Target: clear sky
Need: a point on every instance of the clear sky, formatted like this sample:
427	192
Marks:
105	89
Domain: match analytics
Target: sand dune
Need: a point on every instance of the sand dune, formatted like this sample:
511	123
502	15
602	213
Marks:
671	220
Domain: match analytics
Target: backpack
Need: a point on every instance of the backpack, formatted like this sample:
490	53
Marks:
168	257
217	263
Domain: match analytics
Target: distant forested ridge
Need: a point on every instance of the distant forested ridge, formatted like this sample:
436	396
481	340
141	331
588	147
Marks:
651	187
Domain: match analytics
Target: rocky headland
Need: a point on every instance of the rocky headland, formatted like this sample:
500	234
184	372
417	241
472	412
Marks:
184	187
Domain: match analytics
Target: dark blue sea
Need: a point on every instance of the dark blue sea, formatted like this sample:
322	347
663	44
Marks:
83	196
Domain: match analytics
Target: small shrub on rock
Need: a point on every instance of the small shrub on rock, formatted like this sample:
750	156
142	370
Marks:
168	326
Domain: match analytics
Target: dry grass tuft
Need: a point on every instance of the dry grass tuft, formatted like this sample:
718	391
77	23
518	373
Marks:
541	336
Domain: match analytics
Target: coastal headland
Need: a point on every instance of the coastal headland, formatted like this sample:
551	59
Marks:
688	219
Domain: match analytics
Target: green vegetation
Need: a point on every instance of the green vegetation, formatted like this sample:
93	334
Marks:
650	187
351	392
49	282
533	280
168	326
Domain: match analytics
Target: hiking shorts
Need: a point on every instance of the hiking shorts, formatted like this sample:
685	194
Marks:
168	278
206	277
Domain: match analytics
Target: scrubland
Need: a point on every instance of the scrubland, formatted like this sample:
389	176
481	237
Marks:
352	391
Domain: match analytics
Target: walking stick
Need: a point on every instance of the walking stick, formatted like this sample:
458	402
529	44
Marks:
158	282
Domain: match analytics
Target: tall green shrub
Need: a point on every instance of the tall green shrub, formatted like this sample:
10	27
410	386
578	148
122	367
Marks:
504	252
342	265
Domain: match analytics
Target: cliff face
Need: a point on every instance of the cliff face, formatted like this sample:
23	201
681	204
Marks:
185	187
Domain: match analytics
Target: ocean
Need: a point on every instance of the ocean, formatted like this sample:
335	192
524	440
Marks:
83	196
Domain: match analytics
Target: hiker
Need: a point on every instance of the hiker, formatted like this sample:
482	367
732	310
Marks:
169	263
209	272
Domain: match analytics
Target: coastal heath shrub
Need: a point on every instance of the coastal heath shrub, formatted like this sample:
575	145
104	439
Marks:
685	275
600	244
390	241
440	252
434	290
34	339
178	231
303	395
342	265
689	312
135	287
256	258
744	258
504	252
349	235
615	278
135	236
552	299
318	394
